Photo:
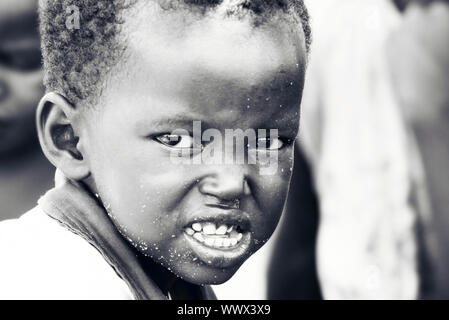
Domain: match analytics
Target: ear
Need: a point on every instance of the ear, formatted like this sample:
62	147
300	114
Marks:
56	119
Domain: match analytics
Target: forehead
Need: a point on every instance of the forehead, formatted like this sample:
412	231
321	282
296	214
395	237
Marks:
177	41
211	64
213	39
18	18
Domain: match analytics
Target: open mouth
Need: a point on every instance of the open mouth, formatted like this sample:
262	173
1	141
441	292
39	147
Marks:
220	241
216	236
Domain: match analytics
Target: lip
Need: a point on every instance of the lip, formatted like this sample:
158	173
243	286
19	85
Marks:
224	216
219	214
221	257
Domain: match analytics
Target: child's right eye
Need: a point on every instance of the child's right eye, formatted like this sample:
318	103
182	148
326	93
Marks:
175	141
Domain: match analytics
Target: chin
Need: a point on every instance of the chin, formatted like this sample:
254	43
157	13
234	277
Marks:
205	275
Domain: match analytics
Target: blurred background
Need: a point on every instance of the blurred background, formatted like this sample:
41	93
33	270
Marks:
367	213
25	174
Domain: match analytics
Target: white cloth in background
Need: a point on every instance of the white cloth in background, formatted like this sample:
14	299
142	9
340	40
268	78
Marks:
353	133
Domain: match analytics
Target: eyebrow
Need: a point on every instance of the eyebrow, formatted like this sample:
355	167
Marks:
185	121
179	121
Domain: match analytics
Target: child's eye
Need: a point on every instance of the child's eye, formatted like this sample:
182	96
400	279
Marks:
176	141
272	143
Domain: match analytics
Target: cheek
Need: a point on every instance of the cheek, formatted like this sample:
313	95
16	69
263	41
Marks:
143	198
271	197
141	189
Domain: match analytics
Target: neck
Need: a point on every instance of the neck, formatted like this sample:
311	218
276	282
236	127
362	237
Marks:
163	278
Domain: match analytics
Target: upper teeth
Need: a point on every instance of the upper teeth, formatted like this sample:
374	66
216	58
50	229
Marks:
209	228
221	230
214	235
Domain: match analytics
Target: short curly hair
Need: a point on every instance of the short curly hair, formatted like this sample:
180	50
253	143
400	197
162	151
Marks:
76	60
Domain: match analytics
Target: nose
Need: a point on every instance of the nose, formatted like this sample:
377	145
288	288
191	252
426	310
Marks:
228	184
3	90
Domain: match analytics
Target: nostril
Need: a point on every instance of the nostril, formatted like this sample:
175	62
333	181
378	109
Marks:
225	188
3	90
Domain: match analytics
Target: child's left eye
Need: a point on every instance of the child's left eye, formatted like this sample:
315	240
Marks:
176	141
272	143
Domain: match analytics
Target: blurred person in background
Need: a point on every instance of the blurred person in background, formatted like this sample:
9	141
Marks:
293	270
375	130
24	172
418	56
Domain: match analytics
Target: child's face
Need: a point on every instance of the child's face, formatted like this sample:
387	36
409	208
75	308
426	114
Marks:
228	75
20	73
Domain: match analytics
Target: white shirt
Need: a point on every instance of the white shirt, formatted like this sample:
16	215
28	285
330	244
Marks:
41	259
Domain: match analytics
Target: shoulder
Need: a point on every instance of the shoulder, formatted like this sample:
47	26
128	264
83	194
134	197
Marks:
40	259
